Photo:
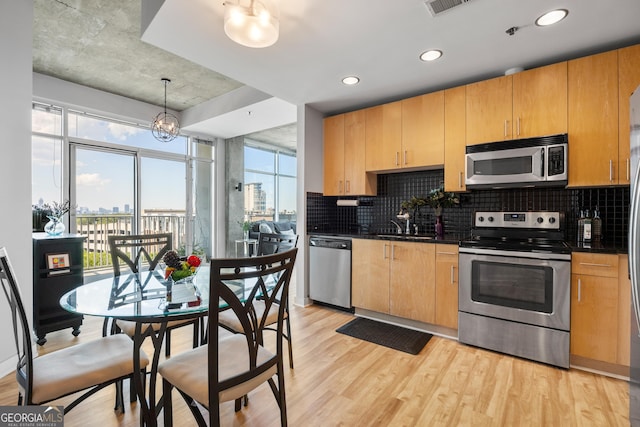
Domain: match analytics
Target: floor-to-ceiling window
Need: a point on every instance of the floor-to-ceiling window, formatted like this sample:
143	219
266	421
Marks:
269	183
122	181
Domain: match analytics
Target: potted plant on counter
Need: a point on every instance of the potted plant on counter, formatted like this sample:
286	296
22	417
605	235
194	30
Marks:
439	199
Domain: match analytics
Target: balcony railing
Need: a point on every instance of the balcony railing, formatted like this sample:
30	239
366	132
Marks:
97	228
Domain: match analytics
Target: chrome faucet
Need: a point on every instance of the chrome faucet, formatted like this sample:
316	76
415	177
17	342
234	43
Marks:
399	229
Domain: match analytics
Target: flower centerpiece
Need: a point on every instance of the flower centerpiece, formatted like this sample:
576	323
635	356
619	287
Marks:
439	199
54	212
178	268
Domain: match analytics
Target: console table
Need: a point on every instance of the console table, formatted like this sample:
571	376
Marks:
57	269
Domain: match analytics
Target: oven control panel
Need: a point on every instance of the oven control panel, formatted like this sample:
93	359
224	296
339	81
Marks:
528	219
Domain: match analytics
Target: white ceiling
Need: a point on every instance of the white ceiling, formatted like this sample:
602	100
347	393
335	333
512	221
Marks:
380	41
216	83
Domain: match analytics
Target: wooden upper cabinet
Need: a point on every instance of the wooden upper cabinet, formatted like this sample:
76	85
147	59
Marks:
344	156
334	155
423	130
454	139
356	180
383	136
540	101
593	120
628	81
489	110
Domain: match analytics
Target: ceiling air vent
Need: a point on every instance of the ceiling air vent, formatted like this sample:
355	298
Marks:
436	7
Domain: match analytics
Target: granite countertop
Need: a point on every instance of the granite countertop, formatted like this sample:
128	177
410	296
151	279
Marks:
455	238
598	247
449	238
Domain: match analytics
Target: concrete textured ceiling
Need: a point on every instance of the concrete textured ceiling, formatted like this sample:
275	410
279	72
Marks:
105	45
97	44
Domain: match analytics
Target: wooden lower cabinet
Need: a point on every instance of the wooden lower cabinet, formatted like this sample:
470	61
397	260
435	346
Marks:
447	286
600	308
370	274
417	281
412	281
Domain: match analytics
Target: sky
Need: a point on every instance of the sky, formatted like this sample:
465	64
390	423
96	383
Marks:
105	180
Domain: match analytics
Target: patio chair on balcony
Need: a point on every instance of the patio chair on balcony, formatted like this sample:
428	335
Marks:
139	252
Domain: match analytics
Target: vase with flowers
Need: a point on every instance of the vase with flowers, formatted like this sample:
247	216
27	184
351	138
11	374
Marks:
54	212
439	199
246	226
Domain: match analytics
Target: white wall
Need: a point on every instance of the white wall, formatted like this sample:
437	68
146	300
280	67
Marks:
309	154
16	26
89	100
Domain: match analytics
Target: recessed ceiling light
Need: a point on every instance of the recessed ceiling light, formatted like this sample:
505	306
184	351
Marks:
552	17
350	80
431	55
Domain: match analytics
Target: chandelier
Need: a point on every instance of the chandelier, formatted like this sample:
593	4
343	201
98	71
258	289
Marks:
254	25
165	126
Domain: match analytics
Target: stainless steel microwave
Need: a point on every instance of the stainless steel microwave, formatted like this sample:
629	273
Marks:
531	162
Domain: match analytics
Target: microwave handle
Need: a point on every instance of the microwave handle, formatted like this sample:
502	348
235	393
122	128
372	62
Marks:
542	163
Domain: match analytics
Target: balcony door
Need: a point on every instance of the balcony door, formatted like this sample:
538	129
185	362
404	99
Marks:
123	192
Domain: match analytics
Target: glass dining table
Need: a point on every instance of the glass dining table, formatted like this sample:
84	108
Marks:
150	301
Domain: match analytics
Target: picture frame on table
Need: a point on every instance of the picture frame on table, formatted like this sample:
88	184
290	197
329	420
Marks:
58	263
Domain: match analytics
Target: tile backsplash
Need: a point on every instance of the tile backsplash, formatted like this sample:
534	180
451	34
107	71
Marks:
374	213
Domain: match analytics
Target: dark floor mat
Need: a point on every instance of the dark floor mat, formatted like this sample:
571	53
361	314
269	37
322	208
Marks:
391	336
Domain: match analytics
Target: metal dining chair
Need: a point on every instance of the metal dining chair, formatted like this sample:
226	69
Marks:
87	367
237	364
137	252
268	243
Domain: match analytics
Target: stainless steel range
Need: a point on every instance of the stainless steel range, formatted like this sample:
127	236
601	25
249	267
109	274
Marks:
515	286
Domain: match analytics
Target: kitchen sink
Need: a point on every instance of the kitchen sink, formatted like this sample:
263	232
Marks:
404	237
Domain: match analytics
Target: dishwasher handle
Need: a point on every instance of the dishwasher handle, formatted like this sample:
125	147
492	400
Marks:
330	243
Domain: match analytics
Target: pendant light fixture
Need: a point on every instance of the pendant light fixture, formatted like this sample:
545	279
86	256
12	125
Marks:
255	24
165	126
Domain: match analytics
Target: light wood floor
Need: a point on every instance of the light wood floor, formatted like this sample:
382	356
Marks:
342	381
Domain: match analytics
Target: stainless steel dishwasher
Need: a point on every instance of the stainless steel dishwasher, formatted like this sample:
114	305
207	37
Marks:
330	270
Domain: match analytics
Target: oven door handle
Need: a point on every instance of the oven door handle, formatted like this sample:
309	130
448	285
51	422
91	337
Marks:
517	254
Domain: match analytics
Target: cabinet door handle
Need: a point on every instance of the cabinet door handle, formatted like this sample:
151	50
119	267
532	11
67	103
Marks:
384	251
452	274
593	264
628	177
579	290
339	187
405	157
460	179
518	126
347	187
393	252
505	128
397	155
447	253
610	170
